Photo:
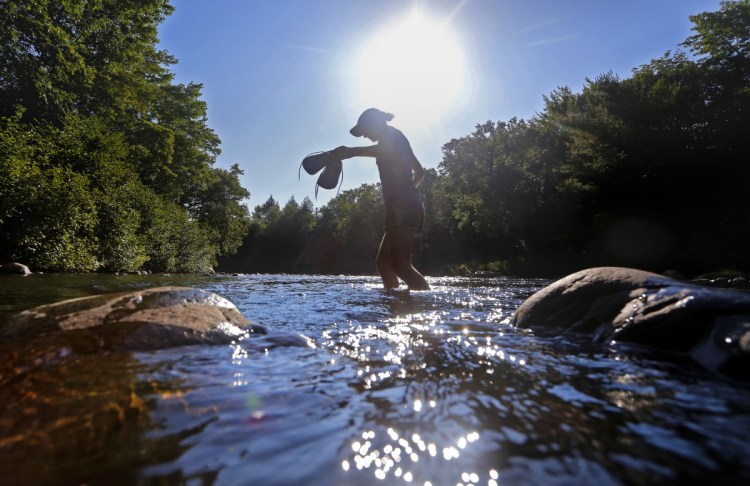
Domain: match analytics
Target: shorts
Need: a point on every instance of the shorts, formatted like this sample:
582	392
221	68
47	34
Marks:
407	211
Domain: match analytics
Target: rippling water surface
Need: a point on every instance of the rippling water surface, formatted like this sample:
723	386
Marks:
429	388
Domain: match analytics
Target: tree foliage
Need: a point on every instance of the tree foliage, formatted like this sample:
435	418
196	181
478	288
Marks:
106	163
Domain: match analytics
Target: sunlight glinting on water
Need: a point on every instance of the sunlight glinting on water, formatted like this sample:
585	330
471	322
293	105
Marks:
397	349
392	455
439	388
427	388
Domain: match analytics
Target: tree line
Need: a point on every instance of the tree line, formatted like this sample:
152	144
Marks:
106	163
649	171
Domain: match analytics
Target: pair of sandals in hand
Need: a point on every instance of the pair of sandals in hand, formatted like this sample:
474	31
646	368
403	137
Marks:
332	167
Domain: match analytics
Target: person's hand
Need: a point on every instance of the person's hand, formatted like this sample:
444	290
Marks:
341	152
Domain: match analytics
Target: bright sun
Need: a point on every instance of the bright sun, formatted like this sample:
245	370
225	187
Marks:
413	68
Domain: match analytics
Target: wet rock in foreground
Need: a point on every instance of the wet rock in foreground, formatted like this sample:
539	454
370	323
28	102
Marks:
76	400
711	325
129	321
73	393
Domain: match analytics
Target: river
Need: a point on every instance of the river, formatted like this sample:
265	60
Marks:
430	388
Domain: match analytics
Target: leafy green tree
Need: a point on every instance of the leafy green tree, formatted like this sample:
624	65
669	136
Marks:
122	246
260	250
220	206
723	37
176	148
48	214
91	120
47	211
266	214
353	222
98	57
722	44
488	188
174	242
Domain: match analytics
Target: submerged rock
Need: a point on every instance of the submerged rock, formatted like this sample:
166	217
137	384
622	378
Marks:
711	325
145	319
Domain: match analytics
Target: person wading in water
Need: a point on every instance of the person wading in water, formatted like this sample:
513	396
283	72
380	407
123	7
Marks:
400	175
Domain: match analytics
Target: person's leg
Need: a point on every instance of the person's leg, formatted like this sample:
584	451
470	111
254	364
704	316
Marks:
400	242
385	265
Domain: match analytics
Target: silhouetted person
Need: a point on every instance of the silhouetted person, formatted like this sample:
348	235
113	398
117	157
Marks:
400	175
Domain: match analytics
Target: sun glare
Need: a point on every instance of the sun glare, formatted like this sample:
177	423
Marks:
413	68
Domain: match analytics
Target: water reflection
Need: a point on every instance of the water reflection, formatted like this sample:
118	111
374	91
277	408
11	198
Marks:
66	415
428	388
550	409
393	455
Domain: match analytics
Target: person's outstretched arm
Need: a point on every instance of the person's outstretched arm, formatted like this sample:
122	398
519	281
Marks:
349	152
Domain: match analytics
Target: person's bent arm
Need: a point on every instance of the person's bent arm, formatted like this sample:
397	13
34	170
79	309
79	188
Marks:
418	176
418	171
349	152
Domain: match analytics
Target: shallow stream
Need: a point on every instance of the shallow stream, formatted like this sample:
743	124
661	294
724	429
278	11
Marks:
429	388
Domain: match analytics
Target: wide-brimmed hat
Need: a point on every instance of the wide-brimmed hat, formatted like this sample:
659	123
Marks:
369	117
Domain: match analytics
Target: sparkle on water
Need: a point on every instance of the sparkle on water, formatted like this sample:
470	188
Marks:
430	388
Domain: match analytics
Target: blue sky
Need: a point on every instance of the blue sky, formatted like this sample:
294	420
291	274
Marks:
284	78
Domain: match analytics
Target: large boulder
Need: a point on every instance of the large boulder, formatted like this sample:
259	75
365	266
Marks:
145	319
711	325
